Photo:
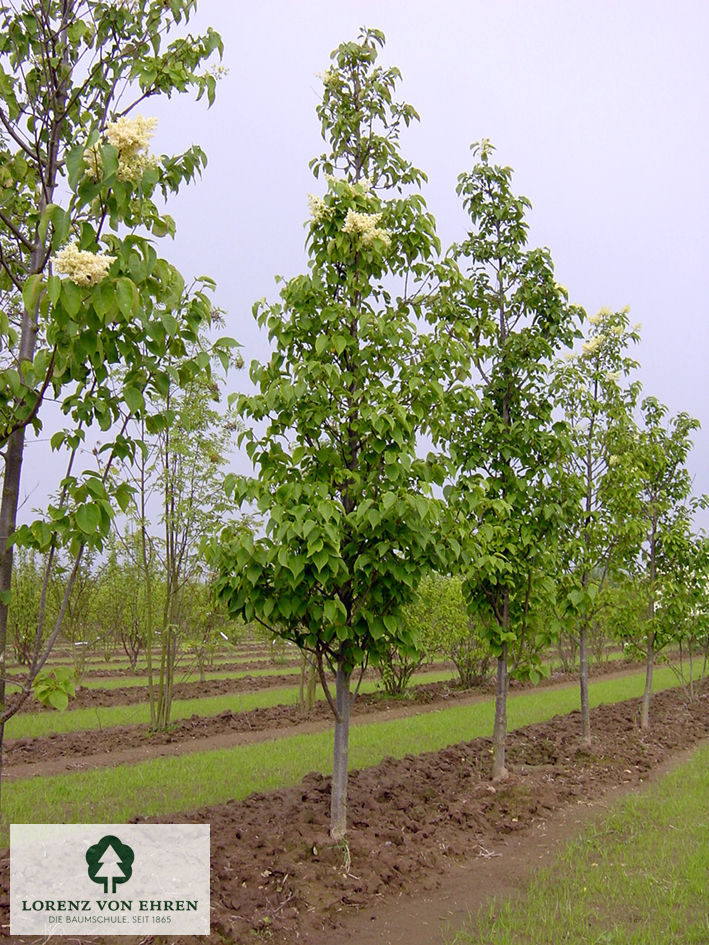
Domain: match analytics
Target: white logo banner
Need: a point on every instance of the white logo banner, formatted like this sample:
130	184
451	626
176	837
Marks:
109	879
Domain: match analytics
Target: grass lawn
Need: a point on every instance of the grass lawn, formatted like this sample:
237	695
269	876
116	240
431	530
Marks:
638	878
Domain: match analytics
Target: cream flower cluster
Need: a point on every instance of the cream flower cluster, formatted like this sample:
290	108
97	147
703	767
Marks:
592	345
131	138
330	76
319	210
80	266
599	316
130	135
365	226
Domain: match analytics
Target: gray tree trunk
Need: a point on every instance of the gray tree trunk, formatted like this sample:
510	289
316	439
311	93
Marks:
499	735
583	685
338	797
649	664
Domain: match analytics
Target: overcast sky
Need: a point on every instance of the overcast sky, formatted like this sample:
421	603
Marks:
600	108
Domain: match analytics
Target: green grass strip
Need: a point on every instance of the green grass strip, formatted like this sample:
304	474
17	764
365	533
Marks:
34	724
638	878
113	795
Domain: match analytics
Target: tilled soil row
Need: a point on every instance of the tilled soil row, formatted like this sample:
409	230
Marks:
83	744
132	695
265	663
276	874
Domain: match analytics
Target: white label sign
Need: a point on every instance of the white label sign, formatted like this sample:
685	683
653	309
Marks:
109	879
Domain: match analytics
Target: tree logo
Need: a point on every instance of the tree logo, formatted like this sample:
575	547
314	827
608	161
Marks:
110	862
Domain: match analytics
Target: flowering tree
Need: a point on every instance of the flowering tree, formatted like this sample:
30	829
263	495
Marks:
598	403
90	309
350	525
509	317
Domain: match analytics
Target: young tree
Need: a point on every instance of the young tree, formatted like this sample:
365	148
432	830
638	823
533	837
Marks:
440	624
85	289
653	458
350	524
596	400
180	479
510	318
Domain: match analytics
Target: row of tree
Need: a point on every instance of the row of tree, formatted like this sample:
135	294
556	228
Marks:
550	479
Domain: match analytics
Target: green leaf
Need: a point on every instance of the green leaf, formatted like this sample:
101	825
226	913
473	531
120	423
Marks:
71	297
31	292
134	399
88	518
58	700
127	296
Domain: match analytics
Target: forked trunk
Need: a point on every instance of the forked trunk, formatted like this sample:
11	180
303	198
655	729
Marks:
499	735
649	664
338	797
583	685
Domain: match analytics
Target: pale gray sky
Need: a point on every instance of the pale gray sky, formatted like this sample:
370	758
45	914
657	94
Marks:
600	108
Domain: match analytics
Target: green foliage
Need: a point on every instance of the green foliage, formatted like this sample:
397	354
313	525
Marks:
350	523
25	601
668	565
507	318
440	624
598	403
55	687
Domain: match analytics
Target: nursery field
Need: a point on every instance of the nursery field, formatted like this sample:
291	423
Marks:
247	758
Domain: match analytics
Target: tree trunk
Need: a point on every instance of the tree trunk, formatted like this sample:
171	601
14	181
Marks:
583	685
338	798
499	736
8	523
649	664
691	671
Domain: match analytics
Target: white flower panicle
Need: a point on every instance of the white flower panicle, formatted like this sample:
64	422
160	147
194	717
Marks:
319	210
131	135
365	226
613	377
592	345
131	138
617	330
217	72
80	266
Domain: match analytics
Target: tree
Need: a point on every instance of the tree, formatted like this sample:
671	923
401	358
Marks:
597	401
350	523
181	473
439	623
85	291
508	318
653	458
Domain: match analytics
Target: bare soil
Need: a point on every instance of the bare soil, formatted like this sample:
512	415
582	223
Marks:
132	695
417	824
